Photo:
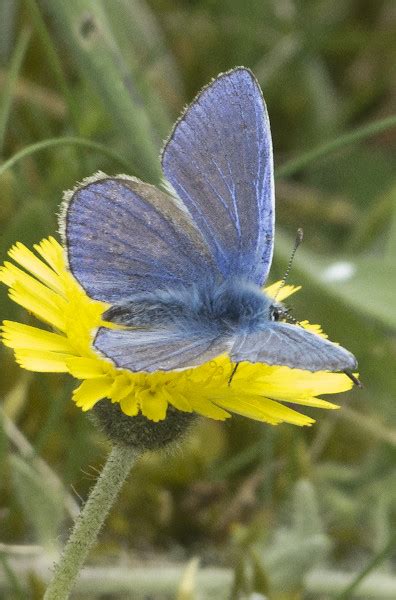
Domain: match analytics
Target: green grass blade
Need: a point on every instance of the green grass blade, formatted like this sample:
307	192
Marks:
63	141
294	166
13	72
40	501
391	245
53	60
84	27
8	23
142	42
12	577
347	593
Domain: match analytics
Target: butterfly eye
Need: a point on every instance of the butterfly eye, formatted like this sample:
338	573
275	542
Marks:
275	313
278	312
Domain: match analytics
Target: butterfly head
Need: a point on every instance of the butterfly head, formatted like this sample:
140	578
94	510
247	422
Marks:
280	312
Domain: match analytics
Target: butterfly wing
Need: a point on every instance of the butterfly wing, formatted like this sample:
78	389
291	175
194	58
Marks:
292	346
124	236
219	160
159	350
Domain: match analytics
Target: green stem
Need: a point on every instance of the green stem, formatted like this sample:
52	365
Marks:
293	166
89	522
12	577
72	141
374	562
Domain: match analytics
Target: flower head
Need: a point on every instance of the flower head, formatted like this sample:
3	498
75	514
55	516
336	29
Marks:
42	285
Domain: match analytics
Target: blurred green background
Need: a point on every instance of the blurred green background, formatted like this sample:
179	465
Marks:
286	513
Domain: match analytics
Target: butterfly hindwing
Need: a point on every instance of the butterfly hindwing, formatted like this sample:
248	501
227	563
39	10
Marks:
292	346
124	236
219	160
159	350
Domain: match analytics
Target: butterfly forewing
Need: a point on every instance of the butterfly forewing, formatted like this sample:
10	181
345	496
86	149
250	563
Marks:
292	346
219	160
124	236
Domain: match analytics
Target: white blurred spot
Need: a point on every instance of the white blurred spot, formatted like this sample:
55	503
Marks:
339	271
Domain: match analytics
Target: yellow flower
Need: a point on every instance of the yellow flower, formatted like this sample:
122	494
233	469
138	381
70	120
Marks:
42	285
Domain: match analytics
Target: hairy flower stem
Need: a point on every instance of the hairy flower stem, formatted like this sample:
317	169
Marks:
90	521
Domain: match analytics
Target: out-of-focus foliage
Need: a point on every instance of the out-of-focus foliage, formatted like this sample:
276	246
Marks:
291	512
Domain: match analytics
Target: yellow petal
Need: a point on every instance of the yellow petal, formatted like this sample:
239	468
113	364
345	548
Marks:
6	275
314	328
177	399
12	275
263	409
153	406
42	361
91	391
33	264
130	405
85	368
24	285
52	252
288	384
39	306
18	335
121	387
206	408
275	291
316	403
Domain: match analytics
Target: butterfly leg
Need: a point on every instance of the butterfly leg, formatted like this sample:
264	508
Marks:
234	370
351	376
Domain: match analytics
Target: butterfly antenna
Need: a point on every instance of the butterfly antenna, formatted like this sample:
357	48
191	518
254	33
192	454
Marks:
299	239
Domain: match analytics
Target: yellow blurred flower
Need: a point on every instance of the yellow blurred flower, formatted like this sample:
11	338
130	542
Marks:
43	286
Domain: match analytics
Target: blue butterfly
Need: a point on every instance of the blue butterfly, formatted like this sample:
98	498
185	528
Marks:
184	270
